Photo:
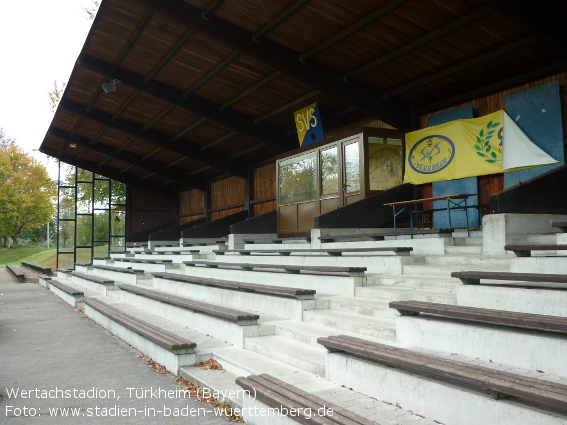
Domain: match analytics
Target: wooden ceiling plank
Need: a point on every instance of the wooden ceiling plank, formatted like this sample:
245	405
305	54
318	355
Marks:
493	88
215	4
130	158
251	90
212	74
543	18
182	41
130	140
357	26
159	139
134	37
246	151
294	7
320	77
191	127
200	170
493	54
219	140
420	42
158	117
126	104
287	106
240	122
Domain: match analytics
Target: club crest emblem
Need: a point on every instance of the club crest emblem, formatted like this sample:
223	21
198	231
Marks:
431	154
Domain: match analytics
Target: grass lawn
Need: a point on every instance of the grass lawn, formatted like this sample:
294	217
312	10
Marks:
43	256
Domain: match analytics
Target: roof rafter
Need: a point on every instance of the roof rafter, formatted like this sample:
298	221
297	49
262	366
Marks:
160	139
318	76
267	133
131	158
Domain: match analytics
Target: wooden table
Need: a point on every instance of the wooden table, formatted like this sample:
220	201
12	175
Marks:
454	202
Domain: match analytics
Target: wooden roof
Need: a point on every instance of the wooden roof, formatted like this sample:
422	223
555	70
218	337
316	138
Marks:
206	88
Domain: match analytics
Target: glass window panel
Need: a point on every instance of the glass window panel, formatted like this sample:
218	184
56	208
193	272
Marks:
101	226
298	179
352	168
84	230
100	176
117	244
118	223
67	174
101	193
84	255
330	171
66	203
100	249
118	192
84	175
66	236
66	261
84	198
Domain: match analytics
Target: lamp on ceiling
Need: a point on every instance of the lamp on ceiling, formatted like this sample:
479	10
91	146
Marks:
110	86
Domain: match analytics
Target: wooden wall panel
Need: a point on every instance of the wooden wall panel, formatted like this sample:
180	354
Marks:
230	191
369	122
191	202
264	207
488	104
224	213
183	220
265	188
147	209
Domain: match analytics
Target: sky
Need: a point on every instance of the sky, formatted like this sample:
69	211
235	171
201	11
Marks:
39	44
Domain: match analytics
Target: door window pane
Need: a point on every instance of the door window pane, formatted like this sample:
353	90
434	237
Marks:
352	168
297	179
329	171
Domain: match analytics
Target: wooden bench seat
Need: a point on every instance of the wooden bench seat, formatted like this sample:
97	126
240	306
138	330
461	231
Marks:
228	314
65	288
204	241
562	225
18	272
521	280
44	277
119	269
150	332
142	261
292	240
526	250
379	236
355	271
282	291
335	252
38	268
498	383
92	278
278	394
537	322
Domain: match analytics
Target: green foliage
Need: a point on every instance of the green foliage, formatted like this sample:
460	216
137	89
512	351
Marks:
26	193
483	147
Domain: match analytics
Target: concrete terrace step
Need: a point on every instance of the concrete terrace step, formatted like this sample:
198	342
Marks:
364	306
302	356
445	271
401	293
378	327
468	259
415	281
465	249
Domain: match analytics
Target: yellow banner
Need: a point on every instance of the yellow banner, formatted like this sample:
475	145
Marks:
455	150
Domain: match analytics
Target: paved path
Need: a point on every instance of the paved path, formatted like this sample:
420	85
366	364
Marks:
47	346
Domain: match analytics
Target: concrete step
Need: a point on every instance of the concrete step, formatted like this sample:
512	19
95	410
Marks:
467	259
546	238
464	240
364	306
415	281
378	327
219	381
445	271
464	249
400	293
302	356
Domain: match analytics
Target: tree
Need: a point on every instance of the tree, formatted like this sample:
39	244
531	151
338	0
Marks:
55	94
26	193
91	12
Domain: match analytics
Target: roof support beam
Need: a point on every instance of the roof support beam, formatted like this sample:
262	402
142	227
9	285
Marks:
215	4
158	138
420	42
543	18
327	80
132	159
182	41
294	7
238	121
212	74
357	26
287	106
493	54
219	140
493	88
251	90
134	37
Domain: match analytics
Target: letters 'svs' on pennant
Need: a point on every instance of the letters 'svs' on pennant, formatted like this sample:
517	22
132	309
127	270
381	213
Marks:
308	124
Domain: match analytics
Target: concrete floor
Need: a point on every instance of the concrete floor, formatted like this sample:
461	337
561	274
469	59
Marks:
45	346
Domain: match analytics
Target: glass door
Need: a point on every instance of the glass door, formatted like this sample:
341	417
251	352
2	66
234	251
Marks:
351	190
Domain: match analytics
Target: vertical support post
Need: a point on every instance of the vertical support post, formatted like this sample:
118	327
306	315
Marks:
249	192
207	203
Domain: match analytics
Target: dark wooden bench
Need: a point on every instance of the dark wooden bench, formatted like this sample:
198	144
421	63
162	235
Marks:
102	258
65	288
498	383
38	268
353	271
562	225
204	241
18	272
281	395
150	332
520	280
64	270
44	277
281	291
335	252
379	236
285	240
526	250
142	261
119	269
537	322
228	314
95	279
